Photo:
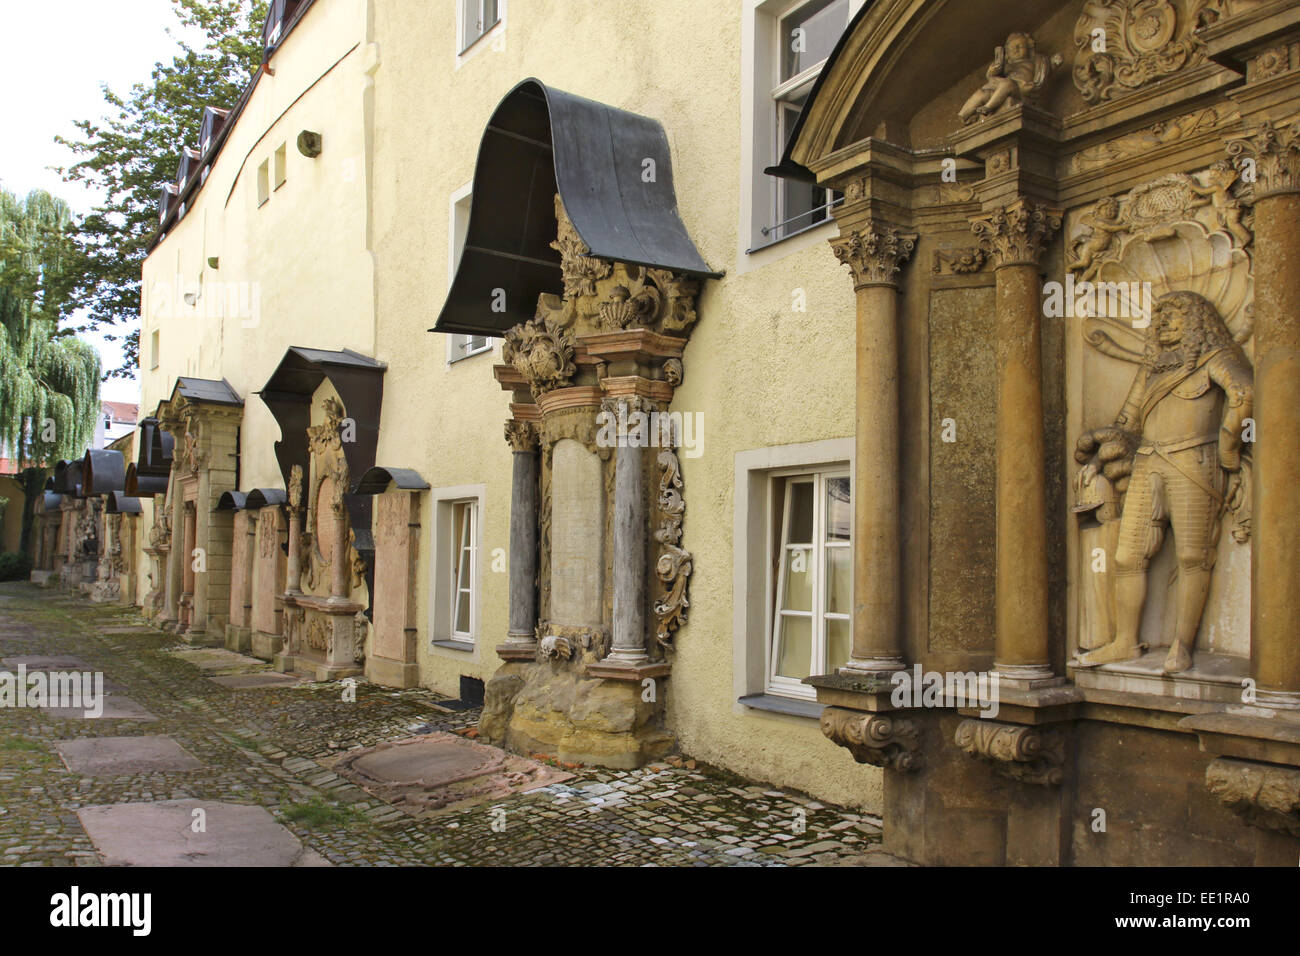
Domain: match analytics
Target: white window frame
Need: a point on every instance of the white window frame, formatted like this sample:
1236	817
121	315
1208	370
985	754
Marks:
467	50
780	551
465	567
458	210
443	581
753	585
760	66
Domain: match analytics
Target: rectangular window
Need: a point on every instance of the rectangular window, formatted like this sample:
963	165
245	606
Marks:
806	35
461	346
812	563
456	570
281	163
462	570
264	182
477	17
153	350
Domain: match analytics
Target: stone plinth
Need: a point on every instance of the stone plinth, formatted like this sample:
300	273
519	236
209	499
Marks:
322	642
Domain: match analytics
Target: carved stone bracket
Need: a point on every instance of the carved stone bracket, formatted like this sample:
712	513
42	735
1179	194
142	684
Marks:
1274	148
1263	795
874	253
1016	234
1028	754
963	261
882	740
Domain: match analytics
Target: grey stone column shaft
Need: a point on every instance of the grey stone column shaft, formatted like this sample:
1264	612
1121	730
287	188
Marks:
523	548
629	556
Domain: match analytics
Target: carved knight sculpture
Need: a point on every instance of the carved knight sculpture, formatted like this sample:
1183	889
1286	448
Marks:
1175	453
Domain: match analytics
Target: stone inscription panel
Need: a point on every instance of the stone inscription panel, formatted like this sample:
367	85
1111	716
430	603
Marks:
577	535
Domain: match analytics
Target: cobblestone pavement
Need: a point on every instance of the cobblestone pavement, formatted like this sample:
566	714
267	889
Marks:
263	746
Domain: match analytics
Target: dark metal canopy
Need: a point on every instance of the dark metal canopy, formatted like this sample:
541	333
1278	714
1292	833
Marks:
67	478
148	474
375	481
122	504
207	391
541	141
231	501
262	497
103	470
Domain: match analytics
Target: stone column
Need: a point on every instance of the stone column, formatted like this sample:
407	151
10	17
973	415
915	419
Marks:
340	568
628	638
874	253
521	637
1015	236
293	575
1275	540
190	528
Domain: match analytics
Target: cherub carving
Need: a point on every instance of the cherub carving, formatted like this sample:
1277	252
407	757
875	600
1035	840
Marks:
1220	178
1017	73
1104	223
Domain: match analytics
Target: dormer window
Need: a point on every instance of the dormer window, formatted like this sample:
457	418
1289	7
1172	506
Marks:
166	196
213	120
277	20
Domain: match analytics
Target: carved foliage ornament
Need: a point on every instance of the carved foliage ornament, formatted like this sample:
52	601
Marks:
1145	41
1017	233
542	352
1274	147
874	254
521	436
674	565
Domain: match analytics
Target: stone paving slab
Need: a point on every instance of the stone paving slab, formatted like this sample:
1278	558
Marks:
218	660
115	707
253	681
44	662
164	834
105	756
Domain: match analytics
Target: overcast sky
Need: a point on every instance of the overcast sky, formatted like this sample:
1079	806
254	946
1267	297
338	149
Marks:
57	55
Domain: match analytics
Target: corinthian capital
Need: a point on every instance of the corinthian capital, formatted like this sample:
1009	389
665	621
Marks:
1273	148
1017	233
521	436
874	253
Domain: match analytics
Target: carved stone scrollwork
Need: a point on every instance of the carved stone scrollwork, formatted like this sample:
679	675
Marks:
1261	794
674	565
295	487
581	272
1017	233
542	352
874	254
882	740
521	436
1274	147
1145	41
1029	754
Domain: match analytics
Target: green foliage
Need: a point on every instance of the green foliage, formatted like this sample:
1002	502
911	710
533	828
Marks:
131	153
49	379
15	566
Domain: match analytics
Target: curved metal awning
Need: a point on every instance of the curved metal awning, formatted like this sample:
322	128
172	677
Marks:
103	470
67	478
140	485
541	141
122	504
231	501
376	481
263	497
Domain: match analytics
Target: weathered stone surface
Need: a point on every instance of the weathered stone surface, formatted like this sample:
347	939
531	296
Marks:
104	756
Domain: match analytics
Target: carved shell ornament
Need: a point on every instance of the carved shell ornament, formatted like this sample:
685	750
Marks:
1167	234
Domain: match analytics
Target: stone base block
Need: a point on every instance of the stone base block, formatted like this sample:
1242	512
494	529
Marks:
239	639
44	578
392	673
264	645
553	708
202	638
105	592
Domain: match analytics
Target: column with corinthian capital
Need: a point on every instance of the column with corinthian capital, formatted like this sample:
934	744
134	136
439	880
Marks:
1274	148
1014	236
521	637
874	253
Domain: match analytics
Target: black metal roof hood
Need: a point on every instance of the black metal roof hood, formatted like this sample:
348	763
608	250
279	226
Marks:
376	481
541	141
103	470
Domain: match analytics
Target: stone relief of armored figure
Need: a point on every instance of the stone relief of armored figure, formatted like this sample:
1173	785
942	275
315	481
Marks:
1174	453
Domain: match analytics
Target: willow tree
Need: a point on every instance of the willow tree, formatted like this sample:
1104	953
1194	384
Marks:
49	379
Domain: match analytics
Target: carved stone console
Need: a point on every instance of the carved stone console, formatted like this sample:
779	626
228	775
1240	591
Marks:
883	740
1028	754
